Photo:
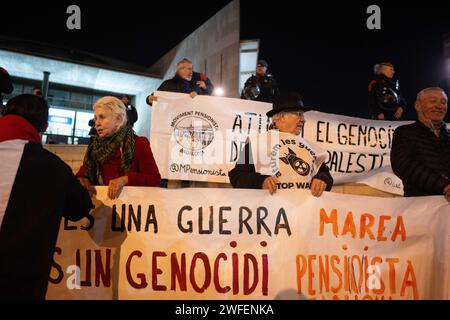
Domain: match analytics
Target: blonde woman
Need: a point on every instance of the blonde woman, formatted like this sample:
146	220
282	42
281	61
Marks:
117	156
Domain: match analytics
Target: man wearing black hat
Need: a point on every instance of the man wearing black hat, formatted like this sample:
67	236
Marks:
287	117
262	86
385	100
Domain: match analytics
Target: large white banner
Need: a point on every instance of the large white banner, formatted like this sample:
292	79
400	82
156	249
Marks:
200	139
156	243
358	149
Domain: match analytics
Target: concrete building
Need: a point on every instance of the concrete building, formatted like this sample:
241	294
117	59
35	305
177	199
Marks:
76	79
216	49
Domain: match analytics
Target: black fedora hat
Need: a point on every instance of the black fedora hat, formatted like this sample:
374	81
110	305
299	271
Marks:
288	102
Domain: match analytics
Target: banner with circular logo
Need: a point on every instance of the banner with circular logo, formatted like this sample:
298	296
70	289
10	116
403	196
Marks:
292	160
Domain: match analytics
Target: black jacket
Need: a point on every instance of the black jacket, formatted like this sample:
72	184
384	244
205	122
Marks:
375	91
268	86
244	175
43	191
421	159
178	84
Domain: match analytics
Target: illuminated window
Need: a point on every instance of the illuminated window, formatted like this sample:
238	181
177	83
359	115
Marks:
248	58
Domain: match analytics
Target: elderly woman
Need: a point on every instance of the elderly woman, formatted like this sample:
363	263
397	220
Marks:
117	157
287	116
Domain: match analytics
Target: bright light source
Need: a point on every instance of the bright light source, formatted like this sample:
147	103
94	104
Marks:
219	92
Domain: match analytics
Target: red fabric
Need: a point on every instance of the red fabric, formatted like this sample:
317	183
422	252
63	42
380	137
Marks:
14	127
143	170
371	84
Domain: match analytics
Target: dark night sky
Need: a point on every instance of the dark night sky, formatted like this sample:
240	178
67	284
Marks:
321	49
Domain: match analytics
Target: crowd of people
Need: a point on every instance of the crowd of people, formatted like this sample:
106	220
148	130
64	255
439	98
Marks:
37	188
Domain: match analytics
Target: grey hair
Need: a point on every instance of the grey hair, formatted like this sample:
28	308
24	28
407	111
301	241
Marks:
276	117
422	92
182	61
115	105
377	68
280	115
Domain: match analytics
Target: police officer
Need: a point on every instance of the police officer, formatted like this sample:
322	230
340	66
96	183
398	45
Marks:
385	100
262	86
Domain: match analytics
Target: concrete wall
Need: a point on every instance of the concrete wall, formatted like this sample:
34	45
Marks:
73	156
142	126
218	37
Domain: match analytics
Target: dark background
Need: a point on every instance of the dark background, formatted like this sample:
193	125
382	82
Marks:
321	49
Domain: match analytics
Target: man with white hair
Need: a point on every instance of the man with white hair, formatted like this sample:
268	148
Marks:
185	81
420	153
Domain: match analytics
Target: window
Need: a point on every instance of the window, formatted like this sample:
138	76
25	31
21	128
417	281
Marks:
60	121
82	125
248	58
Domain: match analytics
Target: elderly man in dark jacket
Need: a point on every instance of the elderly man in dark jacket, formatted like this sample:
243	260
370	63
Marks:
420	153
185	81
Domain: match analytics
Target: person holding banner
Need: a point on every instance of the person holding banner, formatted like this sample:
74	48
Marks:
185	81
287	117
37	189
420	153
385	100
117	156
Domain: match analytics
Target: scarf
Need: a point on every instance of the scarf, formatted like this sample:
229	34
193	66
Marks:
102	149
14	127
